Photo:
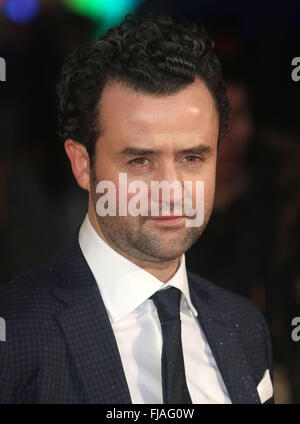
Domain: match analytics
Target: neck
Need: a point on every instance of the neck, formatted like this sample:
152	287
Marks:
163	271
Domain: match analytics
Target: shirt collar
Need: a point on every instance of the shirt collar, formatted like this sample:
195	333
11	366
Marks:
124	285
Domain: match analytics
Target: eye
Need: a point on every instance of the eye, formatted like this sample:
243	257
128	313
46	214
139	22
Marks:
192	160
139	162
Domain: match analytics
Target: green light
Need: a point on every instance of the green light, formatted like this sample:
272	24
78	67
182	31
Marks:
110	11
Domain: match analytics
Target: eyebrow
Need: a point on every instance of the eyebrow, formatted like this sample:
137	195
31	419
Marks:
135	151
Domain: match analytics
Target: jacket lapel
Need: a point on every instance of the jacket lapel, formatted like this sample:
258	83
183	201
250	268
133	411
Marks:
226	348
88	332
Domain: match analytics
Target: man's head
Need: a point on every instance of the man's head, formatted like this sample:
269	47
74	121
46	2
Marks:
146	99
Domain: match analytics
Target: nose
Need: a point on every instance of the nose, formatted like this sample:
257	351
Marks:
170	183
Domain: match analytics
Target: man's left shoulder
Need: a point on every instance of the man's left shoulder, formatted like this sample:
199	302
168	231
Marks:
223	300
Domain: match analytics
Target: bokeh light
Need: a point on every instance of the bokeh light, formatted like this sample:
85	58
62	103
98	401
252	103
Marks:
21	11
110	12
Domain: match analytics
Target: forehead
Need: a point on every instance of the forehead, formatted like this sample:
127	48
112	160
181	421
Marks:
127	112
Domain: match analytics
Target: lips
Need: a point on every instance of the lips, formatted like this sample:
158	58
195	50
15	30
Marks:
167	218
169	221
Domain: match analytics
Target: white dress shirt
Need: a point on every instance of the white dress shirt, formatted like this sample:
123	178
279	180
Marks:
125	289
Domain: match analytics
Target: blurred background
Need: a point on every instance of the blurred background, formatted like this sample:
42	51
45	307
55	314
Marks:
252	243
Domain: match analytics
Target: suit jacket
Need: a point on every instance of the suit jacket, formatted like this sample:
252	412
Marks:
60	346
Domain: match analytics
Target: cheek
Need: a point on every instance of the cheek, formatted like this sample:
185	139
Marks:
209	192
105	171
209	179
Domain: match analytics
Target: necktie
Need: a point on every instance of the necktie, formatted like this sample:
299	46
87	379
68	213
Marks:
175	389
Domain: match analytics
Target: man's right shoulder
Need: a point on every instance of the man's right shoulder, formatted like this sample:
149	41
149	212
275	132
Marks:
31	290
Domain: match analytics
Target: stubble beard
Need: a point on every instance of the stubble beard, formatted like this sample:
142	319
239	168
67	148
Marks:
134	237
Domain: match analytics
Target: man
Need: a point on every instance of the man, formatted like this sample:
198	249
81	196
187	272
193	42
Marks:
146	101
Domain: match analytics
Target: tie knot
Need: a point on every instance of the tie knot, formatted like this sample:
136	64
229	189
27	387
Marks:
167	303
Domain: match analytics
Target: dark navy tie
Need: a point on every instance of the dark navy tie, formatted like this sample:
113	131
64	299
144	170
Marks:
174	385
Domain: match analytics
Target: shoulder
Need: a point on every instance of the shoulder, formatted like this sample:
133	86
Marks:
27	290
223	300
27	298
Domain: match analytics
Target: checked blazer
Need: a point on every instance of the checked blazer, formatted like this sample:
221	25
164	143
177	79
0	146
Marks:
60	346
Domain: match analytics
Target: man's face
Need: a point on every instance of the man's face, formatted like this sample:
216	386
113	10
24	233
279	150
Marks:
152	138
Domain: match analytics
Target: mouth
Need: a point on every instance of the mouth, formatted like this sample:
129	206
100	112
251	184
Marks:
169	220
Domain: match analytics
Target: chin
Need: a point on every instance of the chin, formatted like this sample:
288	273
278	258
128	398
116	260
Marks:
167	255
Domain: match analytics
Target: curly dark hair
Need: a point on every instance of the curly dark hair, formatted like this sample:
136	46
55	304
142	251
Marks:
151	54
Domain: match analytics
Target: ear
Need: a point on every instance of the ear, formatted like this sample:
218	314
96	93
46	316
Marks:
80	163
